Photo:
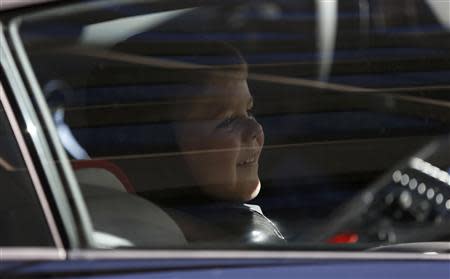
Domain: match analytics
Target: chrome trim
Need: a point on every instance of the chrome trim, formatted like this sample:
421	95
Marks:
33	175
83	222
38	139
27	158
239	254
30	253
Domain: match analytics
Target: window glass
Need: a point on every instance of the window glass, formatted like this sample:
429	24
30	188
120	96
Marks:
311	124
21	217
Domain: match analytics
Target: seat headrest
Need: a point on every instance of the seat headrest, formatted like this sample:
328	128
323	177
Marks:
102	173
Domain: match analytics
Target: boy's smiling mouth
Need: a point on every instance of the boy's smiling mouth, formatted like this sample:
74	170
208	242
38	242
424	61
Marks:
252	159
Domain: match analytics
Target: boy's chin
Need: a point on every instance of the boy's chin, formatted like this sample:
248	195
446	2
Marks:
251	191
241	192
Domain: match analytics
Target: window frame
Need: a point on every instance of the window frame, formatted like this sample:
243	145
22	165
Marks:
62	182
25	252
87	251
11	92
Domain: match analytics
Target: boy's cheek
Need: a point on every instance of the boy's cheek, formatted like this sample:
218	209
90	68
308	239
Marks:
213	170
214	160
192	138
224	143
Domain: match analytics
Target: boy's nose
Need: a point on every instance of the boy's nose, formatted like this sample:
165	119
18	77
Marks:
253	131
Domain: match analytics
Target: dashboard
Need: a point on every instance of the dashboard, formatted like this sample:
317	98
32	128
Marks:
410	203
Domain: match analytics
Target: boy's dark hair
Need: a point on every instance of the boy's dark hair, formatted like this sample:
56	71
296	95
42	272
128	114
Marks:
137	61
181	69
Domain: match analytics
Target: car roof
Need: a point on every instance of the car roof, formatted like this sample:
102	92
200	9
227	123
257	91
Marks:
12	4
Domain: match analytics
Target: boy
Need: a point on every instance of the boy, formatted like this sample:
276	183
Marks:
216	137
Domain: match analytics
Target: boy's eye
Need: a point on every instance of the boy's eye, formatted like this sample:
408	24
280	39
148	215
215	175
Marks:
230	120
227	122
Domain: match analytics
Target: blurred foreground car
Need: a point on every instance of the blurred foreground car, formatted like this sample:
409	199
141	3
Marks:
353	97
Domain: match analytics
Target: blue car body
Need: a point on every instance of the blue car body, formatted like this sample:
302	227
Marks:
243	268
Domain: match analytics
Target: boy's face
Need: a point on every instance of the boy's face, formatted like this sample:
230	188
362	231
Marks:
221	142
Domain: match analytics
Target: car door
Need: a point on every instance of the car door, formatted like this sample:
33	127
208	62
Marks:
103	101
29	229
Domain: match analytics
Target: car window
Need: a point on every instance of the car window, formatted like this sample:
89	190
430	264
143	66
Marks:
22	220
303	124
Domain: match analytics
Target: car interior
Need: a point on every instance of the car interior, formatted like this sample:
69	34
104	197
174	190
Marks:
342	138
